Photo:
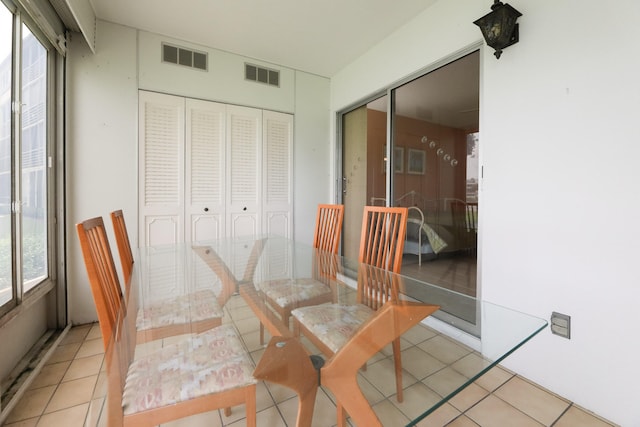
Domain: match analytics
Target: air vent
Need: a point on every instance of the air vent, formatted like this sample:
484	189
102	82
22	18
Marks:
261	75
185	57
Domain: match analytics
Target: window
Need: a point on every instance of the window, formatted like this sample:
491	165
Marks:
25	159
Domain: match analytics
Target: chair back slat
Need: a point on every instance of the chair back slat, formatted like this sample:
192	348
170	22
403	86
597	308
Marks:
381	247
103	277
328	227
383	235
124	245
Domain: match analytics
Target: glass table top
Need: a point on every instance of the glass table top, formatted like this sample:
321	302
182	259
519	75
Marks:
270	281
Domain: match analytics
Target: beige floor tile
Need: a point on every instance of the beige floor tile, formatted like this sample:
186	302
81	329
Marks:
533	401
96	414
578	417
444	349
31	422
418	334
50	374
324	411
32	404
382	376
94	332
462	421
418	398
494	378
468	397
389	414
70	417
268	418
263	397
420	364
471	364
91	348
441	417
445	381
495	412
206	419
83	367
76	334
64	353
72	393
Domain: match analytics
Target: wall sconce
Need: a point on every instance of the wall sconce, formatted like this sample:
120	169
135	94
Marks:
499	27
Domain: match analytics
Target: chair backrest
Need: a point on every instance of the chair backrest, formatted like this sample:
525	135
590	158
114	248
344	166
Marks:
124	246
103	277
382	238
381	247
328	227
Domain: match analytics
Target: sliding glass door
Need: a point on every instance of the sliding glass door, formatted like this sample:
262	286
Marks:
428	162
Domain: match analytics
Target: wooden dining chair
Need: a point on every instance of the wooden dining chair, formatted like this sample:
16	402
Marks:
283	295
158	319
103	278
330	326
150	386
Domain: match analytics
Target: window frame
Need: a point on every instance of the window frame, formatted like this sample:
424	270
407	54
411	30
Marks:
21	300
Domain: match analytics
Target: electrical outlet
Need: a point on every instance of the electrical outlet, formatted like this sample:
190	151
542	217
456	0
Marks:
561	324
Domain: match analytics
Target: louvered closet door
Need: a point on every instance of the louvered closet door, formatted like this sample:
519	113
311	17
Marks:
161	168
244	155
277	181
205	166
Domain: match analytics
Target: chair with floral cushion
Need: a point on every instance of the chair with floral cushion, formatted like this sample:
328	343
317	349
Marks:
283	295
167	317
148	386
330	326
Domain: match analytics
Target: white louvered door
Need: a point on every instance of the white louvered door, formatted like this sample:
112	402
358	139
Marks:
277	173
205	170
161	169
209	170
244	137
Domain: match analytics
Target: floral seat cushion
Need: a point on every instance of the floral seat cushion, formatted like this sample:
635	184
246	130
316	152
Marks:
196	306
210	362
287	292
333	324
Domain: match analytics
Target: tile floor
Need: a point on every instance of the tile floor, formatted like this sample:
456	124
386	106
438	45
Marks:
61	394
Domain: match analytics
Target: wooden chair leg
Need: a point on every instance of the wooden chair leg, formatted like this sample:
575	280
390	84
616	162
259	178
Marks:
397	362
342	416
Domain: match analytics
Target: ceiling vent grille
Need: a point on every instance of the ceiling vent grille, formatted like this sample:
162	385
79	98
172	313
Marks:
264	75
185	57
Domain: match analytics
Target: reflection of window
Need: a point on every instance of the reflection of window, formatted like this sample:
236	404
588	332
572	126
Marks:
24	202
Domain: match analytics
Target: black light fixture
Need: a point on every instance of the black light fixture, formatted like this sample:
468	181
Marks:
499	27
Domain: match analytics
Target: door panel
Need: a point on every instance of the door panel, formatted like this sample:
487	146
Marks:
206	148
278	170
161	168
244	135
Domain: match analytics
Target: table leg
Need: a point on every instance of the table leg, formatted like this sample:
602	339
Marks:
286	362
340	373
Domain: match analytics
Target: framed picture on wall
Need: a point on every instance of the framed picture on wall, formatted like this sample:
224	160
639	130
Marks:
416	162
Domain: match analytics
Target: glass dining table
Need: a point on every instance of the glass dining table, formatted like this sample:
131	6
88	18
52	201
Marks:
438	360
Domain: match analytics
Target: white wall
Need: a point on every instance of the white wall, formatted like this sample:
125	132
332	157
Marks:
559	199
102	134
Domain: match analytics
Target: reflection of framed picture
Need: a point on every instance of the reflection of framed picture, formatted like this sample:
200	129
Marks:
398	160
416	162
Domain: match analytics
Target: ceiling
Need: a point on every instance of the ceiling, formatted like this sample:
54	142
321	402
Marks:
319	37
